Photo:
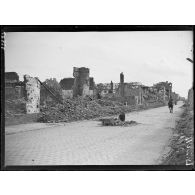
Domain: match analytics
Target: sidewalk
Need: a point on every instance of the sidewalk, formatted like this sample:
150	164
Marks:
29	127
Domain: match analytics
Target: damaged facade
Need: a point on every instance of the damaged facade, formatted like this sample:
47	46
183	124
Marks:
131	93
106	89
28	89
32	93
80	85
134	93
14	88
167	86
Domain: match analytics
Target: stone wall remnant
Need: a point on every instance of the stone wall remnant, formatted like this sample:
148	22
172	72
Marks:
67	85
122	90
11	78
14	92
14	88
32	94
67	94
81	82
167	86
111	87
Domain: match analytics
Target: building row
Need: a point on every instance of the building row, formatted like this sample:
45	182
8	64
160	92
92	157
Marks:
82	84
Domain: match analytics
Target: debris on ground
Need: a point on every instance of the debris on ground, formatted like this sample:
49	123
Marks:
70	110
79	109
182	143
116	122
83	109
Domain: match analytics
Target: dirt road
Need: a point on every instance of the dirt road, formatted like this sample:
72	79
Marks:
88	143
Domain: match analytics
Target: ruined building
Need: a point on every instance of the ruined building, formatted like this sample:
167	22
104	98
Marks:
130	93
14	88
135	93
67	87
122	87
127	93
32	94
28	89
80	85
81	81
167	86
11	79
107	89
111	87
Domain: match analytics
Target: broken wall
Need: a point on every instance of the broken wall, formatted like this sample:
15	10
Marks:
14	92
81	82
67	94
122	90
32	94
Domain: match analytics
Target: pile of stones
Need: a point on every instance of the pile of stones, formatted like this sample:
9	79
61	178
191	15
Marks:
182	143
116	122
80	109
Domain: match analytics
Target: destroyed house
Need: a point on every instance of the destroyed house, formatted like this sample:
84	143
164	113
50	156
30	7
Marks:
11	79
107	88
166	85
91	83
13	87
132	93
67	85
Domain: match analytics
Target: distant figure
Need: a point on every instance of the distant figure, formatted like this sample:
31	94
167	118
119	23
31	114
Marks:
175	102
122	116
170	105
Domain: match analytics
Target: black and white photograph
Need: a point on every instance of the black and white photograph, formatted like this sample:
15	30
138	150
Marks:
98	97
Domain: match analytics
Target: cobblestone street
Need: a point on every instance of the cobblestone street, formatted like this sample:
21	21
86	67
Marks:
88	143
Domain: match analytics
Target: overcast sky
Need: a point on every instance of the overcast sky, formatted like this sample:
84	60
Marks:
146	57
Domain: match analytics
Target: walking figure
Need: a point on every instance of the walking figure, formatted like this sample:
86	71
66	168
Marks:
170	105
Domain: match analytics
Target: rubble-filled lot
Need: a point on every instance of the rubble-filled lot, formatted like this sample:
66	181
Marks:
116	122
84	108
71	110
182	143
80	109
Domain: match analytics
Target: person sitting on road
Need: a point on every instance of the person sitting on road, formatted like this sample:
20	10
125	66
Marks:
122	116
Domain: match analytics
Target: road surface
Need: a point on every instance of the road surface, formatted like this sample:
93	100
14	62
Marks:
89	143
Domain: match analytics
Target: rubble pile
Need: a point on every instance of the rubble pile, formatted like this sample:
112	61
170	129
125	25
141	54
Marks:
80	109
182	143
116	122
